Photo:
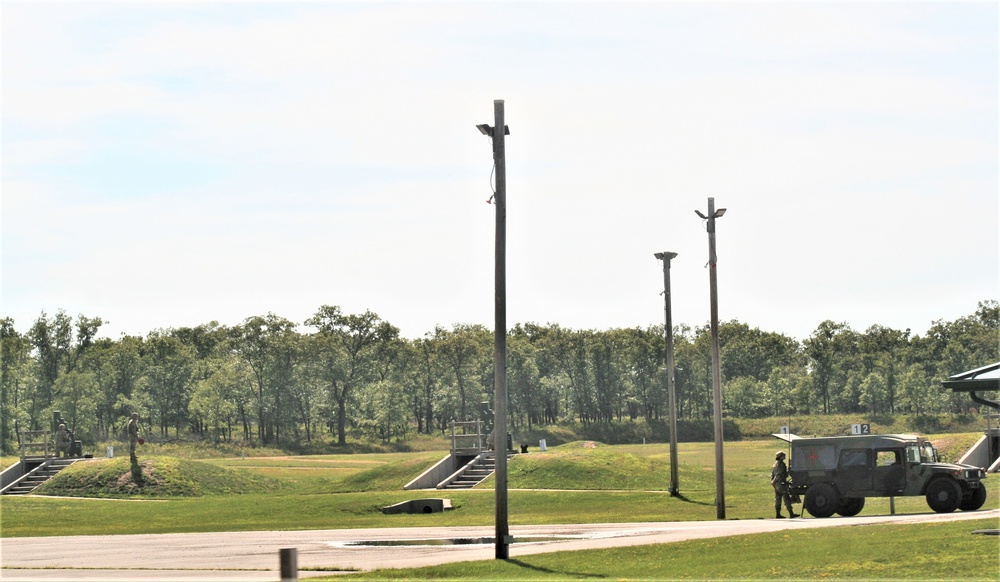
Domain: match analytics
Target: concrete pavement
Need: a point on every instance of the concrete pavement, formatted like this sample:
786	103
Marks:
253	556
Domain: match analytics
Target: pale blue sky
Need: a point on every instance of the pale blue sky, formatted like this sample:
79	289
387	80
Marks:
169	164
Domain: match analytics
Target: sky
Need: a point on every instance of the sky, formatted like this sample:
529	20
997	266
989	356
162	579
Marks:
170	164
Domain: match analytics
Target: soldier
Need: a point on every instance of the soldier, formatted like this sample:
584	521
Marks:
62	441
133	435
779	480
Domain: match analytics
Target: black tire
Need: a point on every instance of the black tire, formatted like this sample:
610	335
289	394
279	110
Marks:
821	500
851	506
974	500
944	495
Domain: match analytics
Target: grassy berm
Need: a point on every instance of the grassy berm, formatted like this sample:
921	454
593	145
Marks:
160	477
575	482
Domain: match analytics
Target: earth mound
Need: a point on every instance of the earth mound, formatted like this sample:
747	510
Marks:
154	477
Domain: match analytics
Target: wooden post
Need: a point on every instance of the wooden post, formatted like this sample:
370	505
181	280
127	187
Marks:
720	475
500	335
666	256
289	564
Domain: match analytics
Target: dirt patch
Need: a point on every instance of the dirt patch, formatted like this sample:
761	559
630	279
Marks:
126	483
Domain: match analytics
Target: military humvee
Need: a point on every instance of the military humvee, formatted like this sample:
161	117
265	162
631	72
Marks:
836	474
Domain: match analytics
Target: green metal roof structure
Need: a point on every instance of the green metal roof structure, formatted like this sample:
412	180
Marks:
982	379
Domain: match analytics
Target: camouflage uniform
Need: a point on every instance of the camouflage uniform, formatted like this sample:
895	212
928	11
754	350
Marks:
62	441
133	435
779	478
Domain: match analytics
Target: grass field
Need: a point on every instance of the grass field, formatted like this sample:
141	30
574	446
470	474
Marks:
573	483
579	482
946	551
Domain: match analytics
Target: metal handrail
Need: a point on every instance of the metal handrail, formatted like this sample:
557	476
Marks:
477	444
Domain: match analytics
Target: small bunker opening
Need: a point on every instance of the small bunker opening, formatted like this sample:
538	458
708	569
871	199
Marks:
418	506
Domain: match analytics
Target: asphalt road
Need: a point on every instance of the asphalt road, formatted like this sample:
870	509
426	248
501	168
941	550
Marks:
254	556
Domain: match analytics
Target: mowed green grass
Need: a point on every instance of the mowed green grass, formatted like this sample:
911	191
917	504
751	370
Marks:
934	551
575	483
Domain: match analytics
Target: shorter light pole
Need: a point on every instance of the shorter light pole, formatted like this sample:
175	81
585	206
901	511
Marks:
671	391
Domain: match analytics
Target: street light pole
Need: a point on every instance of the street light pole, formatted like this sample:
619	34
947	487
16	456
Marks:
720	484
497	133
671	390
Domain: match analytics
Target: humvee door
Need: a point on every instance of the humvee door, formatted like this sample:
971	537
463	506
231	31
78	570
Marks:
890	475
854	470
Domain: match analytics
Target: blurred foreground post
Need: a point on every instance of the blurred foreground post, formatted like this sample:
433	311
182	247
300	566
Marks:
289	559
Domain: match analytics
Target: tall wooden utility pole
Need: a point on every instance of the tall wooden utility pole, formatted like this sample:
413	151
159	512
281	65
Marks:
497	133
720	482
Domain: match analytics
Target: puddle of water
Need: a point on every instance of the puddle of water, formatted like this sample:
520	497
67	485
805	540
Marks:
452	541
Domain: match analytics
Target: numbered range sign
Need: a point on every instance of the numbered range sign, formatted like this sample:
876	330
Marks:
783	429
862	428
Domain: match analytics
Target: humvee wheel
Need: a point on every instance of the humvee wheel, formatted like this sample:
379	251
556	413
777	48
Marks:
821	500
974	500
851	506
944	495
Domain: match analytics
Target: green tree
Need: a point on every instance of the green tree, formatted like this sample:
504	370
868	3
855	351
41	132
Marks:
169	364
522	382
266	344
554	391
645	350
572	350
745	397
831	350
883	351
420	376
347	346
383	414
117	367
77	401
16	377
463	350
216	399
787	391
57	352
874	393
700	364
746	351
919	393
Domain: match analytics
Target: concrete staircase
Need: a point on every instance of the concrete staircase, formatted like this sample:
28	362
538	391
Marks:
473	473
37	475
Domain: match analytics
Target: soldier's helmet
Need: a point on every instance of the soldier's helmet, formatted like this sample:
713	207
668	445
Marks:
779	455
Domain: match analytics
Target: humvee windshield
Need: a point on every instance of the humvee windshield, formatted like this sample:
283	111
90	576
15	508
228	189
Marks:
920	453
928	454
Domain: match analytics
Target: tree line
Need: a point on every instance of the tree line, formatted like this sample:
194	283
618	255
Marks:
272	381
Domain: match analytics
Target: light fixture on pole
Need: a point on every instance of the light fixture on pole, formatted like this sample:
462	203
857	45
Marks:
720	483
487	129
668	329
503	538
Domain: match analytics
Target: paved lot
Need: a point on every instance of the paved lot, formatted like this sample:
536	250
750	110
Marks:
253	556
